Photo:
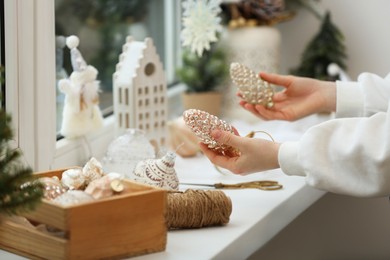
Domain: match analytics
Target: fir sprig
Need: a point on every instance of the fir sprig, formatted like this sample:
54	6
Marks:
20	191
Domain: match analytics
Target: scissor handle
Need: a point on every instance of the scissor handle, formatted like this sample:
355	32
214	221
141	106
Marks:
263	185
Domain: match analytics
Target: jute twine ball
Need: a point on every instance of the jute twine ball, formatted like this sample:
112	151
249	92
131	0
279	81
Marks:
197	208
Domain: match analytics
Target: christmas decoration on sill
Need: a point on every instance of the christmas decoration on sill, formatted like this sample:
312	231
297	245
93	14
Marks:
20	192
204	65
82	184
324	49
81	112
182	139
158	172
125	151
252	88
140	90
79	178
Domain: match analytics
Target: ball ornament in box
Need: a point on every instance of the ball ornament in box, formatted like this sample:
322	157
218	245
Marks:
92	170
73	197
158	172
203	123
253	89
105	186
78	178
125	151
73	179
53	187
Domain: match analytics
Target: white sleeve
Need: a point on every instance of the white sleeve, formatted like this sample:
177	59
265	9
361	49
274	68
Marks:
347	155
369	95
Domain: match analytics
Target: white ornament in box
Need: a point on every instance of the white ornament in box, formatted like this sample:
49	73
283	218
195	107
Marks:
140	90
126	151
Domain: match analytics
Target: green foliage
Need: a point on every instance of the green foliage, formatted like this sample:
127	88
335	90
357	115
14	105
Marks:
325	48
19	191
204	73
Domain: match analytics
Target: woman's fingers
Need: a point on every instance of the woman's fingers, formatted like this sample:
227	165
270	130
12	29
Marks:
220	160
276	79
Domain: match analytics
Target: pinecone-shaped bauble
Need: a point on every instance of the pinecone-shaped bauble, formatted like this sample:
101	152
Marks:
202	124
253	89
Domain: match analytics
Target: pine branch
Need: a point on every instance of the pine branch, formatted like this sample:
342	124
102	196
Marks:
19	189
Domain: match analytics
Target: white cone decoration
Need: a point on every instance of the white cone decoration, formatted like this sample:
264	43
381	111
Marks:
158	172
253	89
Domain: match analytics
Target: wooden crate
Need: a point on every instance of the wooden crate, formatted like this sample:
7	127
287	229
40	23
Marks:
124	225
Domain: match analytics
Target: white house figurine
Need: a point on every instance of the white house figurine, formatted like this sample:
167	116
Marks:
140	90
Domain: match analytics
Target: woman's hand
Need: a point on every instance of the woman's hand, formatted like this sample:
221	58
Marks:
301	97
255	154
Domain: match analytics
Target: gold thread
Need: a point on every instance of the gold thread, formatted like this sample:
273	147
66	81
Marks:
252	134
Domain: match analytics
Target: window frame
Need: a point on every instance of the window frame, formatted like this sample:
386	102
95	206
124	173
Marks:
30	75
28	28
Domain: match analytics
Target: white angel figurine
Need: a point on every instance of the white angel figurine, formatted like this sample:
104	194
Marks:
81	113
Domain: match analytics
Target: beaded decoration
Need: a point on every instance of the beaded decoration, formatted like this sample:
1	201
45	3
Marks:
253	89
202	124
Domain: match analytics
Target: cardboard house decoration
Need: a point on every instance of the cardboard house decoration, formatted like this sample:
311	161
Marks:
140	90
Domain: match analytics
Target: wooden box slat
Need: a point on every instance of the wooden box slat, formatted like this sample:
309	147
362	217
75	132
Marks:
31	243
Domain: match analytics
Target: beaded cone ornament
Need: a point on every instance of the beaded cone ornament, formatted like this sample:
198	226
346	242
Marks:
202	124
253	89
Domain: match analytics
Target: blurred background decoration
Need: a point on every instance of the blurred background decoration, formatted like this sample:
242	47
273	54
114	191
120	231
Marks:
204	73
204	66
247	13
252	38
102	26
107	22
326	48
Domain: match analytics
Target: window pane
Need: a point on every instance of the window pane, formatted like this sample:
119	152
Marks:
102	27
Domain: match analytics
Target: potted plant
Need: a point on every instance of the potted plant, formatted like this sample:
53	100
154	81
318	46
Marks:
204	77
204	63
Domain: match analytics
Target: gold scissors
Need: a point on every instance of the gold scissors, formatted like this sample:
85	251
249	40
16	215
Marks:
262	185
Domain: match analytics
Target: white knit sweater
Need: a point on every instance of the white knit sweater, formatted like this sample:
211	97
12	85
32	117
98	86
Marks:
350	154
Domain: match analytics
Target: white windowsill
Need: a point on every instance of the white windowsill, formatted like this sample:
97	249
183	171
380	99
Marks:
257	215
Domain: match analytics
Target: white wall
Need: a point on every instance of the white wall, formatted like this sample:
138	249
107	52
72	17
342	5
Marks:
365	25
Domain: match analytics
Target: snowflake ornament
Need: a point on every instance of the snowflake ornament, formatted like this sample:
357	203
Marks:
201	23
